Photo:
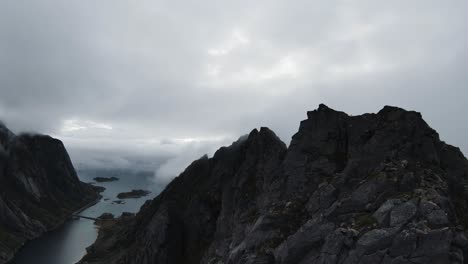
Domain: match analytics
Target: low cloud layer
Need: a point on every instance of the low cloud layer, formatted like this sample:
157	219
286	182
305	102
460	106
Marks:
136	77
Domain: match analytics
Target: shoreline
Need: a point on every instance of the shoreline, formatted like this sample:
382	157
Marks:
67	218
91	204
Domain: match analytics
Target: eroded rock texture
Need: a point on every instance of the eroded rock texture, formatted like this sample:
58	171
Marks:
375	188
39	188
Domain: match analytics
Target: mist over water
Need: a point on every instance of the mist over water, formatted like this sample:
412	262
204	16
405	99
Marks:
67	244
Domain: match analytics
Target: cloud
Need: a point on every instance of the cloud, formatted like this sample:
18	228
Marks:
236	40
137	77
71	125
184	153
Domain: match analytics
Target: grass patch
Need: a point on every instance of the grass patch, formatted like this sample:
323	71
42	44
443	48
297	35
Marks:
366	220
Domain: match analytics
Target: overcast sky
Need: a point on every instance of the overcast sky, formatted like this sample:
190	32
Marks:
180	78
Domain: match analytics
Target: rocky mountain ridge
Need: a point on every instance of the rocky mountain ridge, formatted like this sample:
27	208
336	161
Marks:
374	188
39	189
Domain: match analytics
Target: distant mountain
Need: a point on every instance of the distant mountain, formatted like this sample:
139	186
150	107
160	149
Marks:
39	189
374	188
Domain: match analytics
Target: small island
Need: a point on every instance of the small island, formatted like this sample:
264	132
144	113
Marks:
133	194
106	179
98	189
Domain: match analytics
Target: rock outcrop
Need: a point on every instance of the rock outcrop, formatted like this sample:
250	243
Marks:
374	188
39	189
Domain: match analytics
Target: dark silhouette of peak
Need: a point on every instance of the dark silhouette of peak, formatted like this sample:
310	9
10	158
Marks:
372	188
39	188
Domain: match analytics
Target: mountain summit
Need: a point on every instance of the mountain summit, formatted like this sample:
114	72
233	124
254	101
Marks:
374	188
39	189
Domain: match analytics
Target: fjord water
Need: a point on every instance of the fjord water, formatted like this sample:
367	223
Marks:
67	244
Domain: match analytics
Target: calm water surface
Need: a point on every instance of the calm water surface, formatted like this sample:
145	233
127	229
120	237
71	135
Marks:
67	244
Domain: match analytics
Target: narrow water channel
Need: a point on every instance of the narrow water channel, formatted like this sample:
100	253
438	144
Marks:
67	244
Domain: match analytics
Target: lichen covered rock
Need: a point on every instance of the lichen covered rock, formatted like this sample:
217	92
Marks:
374	188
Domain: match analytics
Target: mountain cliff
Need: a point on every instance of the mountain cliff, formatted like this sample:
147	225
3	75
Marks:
39	189
374	188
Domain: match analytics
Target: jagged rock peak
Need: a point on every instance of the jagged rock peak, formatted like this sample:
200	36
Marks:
389	108
385	111
265	135
323	110
39	188
264	131
372	188
323	107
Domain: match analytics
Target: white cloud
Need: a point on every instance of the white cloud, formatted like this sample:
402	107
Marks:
236	39
71	125
149	77
184	152
286	67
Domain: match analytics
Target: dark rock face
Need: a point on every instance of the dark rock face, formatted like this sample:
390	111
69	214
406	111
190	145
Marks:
39	189
375	188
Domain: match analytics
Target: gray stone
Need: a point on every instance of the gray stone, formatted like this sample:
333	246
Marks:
433	246
327	196
403	244
372	258
438	218
333	243
322	198
296	247
376	239
401	214
426	207
460	240
381	214
401	260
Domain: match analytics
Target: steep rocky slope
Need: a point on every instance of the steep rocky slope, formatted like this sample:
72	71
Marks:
375	188
39	188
